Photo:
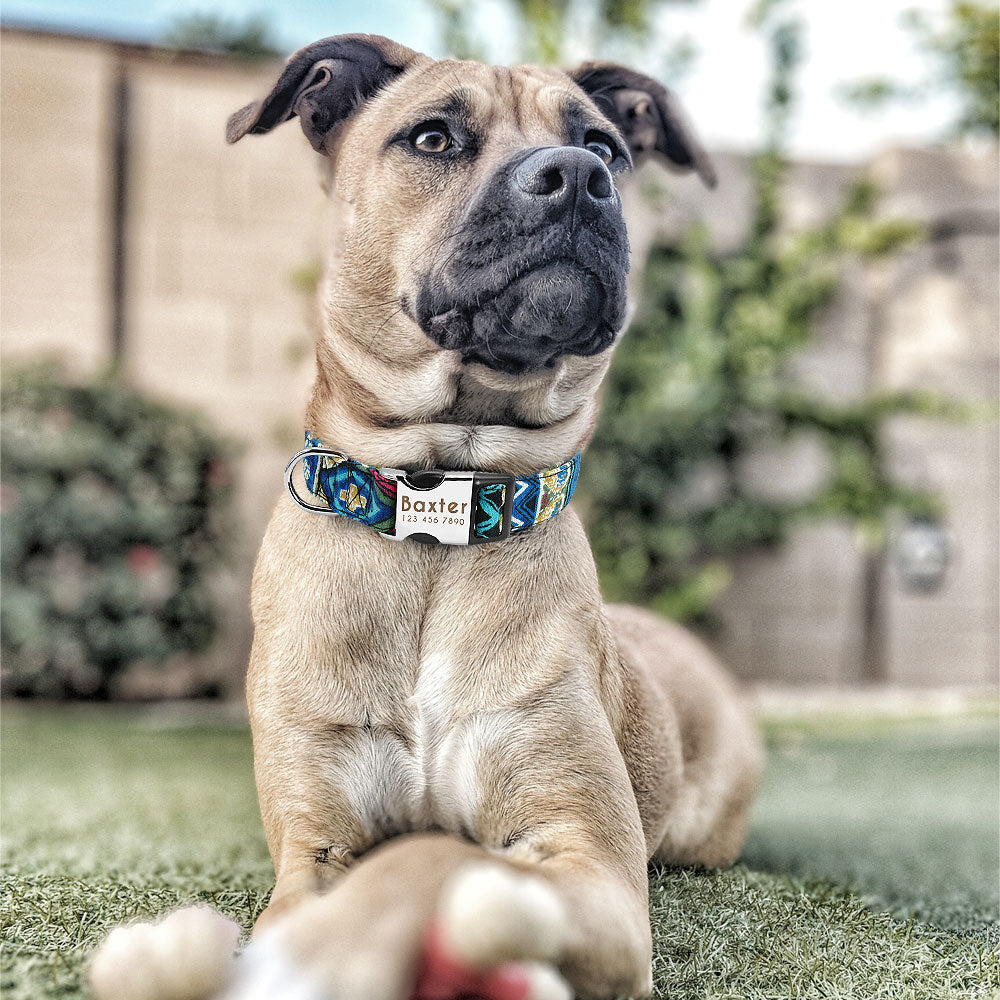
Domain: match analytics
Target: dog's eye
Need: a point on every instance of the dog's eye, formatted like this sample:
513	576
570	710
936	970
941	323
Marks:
431	137
599	144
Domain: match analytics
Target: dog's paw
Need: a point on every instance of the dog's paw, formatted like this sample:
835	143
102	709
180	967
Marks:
490	913
267	971
544	983
186	956
495	936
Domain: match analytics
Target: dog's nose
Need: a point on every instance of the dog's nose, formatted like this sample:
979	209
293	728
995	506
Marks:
561	175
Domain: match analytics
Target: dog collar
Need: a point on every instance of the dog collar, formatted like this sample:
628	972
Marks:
436	506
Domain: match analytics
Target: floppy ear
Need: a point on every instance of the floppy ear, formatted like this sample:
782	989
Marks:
324	84
646	113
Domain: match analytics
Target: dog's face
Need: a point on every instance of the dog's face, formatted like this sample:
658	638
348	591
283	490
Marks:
528	253
477	205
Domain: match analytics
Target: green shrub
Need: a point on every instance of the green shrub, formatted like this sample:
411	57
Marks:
700	385
696	390
115	511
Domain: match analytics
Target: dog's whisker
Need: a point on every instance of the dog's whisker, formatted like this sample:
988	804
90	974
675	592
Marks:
382	326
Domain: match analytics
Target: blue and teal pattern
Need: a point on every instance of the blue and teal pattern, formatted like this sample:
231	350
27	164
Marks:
362	493
525	503
351	488
490	501
555	487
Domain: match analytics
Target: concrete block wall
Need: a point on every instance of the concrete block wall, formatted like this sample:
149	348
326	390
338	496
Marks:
928	319
54	198
941	332
215	318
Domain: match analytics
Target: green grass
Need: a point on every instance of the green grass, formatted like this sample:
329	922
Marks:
871	870
908	817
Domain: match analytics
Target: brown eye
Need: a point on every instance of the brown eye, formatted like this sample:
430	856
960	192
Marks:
430	138
600	146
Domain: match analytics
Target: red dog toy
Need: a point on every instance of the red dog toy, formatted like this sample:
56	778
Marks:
441	976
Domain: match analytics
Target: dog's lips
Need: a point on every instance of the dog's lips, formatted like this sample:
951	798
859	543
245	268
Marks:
520	270
449	329
548	309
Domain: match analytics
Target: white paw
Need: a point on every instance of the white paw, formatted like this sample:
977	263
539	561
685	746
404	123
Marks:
490	914
265	971
186	956
544	983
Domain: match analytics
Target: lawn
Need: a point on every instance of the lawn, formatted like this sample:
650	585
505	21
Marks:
872	868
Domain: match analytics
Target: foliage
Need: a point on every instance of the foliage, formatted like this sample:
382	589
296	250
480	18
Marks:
550	22
114	515
251	38
964	49
699	386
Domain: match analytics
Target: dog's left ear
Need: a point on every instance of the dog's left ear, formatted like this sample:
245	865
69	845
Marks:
324	84
646	113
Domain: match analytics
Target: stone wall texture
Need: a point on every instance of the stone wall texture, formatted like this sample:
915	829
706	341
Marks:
223	242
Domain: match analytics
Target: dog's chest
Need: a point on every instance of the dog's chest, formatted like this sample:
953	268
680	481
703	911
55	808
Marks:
422	674
415	767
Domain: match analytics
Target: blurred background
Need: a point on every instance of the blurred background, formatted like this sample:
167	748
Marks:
805	406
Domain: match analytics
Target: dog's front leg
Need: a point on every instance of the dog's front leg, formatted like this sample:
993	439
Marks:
313	830
422	917
608	950
326	690
556	801
550	795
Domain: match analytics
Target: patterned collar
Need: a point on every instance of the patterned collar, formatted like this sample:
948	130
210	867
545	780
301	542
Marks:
453	508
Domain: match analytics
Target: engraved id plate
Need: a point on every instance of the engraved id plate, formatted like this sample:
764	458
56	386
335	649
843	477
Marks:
444	511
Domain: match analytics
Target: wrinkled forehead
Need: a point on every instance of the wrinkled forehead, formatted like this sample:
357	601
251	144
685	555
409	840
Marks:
542	106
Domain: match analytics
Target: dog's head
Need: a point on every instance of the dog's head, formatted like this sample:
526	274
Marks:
478	202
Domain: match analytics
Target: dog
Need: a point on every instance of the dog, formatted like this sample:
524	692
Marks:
520	749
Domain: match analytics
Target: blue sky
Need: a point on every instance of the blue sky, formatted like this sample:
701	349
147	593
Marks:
297	22
846	39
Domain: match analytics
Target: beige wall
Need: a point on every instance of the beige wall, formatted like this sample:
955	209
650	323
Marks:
941	327
926	320
216	235
54	197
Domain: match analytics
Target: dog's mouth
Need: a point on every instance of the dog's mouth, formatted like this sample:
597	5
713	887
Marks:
534	269
551	308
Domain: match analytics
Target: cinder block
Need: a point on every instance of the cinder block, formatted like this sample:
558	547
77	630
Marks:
178	350
934	644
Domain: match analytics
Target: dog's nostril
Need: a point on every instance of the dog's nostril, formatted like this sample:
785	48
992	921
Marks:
550	181
599	183
559	176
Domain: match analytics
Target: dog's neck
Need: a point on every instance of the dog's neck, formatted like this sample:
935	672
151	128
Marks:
426	409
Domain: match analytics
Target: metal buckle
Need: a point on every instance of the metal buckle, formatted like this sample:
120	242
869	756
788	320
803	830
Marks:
290	471
434	506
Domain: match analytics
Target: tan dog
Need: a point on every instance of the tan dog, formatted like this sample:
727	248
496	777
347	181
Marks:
482	694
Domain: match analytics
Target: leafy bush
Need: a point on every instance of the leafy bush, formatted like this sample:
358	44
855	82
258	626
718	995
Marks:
249	39
700	385
962	45
698	389
115	511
